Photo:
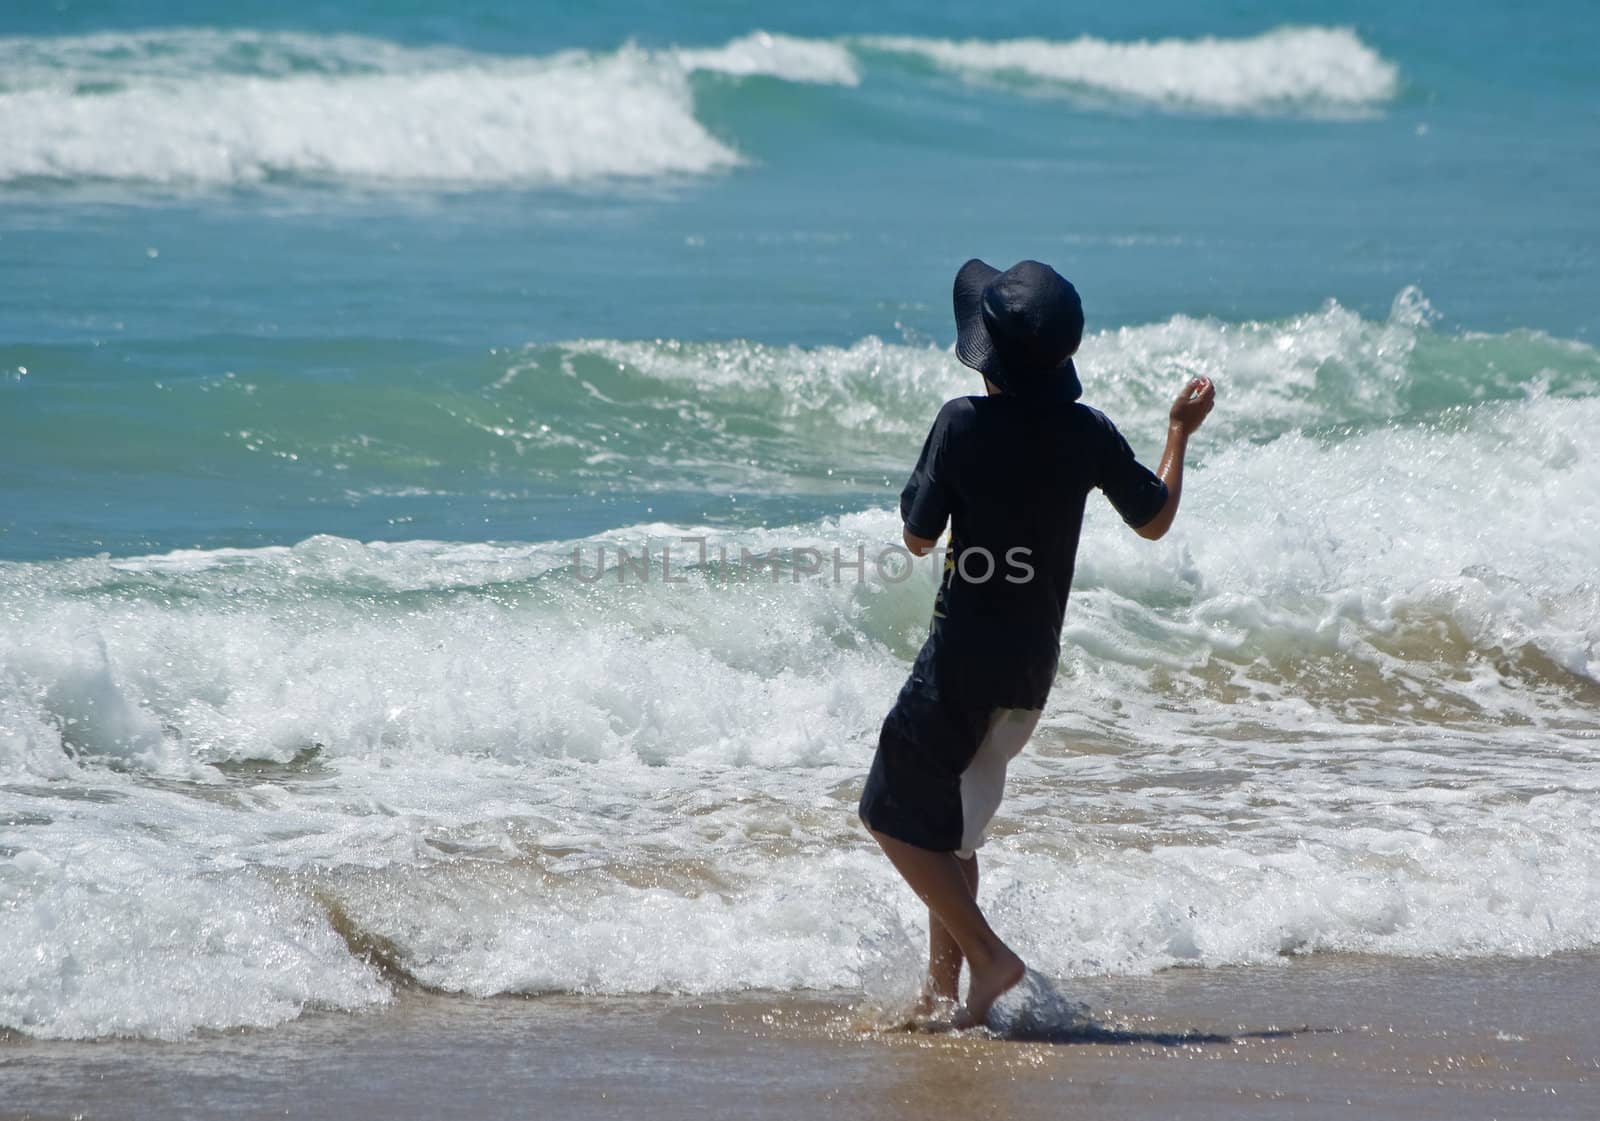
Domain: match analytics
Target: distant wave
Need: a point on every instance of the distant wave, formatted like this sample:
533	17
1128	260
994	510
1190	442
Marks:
1290	67
204	107
778	56
208	108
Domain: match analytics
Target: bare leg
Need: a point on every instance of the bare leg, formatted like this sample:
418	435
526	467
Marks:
944	952
938	878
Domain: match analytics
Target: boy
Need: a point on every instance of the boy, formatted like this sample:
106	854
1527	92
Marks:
1011	471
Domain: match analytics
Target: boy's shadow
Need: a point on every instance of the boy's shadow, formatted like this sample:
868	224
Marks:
1037	1011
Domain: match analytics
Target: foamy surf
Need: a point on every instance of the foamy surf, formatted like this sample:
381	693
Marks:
786	57
457	768
208	108
203	107
1288	68
1347	706
401	118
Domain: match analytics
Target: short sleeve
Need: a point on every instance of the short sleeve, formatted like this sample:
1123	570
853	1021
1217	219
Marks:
926	502
1132	487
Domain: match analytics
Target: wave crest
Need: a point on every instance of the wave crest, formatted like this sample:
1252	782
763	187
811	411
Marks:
207	108
1289	67
213	108
413	118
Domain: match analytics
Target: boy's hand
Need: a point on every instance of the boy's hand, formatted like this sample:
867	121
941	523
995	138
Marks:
919	546
1188	412
1194	404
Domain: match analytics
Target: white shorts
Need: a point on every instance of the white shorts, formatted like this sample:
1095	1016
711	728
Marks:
983	783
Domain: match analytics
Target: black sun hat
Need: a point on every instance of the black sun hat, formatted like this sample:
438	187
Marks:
1019	328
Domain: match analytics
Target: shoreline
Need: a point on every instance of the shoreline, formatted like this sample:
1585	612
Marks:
1330	1036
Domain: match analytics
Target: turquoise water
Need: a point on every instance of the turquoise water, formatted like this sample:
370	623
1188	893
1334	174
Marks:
333	331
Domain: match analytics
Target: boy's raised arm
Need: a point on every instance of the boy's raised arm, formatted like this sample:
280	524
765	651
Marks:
1188	412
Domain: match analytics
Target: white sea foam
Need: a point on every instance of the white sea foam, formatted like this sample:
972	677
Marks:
856	410
563	119
777	56
127	927
195	107
1290	67
870	386
203	107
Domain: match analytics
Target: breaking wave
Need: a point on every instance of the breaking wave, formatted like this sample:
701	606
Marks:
205	108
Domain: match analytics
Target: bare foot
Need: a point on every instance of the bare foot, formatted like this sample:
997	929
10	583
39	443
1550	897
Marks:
931	1001
986	987
934	1019
930	1012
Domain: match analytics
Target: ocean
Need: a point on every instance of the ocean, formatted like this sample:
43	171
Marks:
390	394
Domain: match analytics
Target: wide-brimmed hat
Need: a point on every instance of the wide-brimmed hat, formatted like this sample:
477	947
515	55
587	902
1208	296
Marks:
1019	328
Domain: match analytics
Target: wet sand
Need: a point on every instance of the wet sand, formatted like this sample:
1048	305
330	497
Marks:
1321	1037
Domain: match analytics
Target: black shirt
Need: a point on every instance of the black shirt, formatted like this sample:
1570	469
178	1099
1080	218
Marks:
1012	475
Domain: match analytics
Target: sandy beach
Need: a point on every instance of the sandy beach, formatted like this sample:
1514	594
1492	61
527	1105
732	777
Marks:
1315	1038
